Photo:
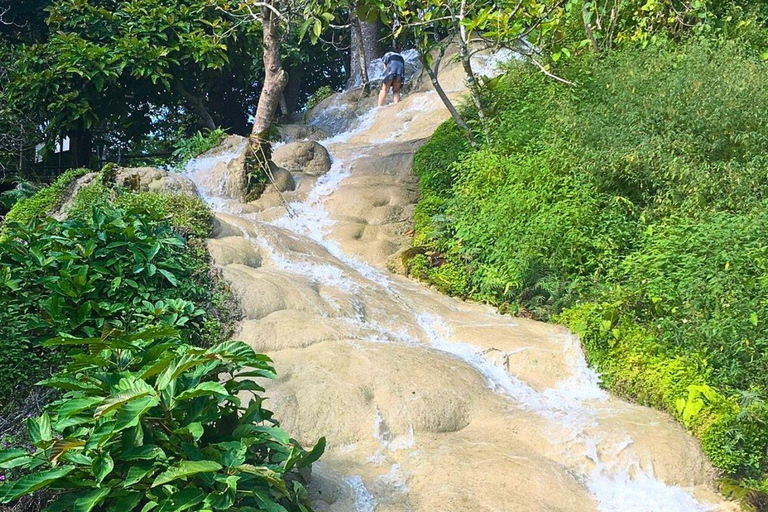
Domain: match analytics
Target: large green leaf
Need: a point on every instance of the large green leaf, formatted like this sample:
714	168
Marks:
102	433
131	413
102	466
40	429
129	391
186	468
182	500
138	472
266	474
75	406
92	499
243	431
203	389
31	483
177	367
144	452
125	502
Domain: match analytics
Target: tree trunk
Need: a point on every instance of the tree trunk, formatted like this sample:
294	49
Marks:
275	77
275	80
358	48
198	105
444	97
363	42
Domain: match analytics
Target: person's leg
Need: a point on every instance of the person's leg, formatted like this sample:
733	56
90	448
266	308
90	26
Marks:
396	89
383	93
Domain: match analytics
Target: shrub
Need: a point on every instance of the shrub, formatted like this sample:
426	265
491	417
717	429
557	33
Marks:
146	421
318	96
23	190
634	203
42	203
185	149
118	268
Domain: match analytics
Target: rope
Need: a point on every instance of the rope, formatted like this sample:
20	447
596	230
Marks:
268	171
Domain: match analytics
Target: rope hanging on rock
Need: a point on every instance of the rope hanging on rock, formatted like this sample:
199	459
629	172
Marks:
252	144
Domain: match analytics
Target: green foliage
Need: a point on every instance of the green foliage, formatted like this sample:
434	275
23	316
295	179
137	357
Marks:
42	203
318	96
23	190
117	268
111	64
146	421
185	149
634	207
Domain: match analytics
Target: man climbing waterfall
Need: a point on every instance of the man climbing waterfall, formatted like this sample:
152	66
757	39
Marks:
394	75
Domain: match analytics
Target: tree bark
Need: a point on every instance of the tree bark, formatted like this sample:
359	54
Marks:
275	77
198	105
358	48
363	43
444	97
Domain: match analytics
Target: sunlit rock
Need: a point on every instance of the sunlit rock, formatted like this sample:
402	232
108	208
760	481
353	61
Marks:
308	157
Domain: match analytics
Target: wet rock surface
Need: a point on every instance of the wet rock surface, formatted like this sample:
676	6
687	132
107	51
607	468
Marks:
428	403
308	157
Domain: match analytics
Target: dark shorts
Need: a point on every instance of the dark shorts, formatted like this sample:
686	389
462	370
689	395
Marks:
391	78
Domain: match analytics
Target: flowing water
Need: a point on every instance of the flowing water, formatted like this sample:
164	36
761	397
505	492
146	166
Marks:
428	403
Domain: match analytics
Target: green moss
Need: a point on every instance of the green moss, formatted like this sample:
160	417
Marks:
43	202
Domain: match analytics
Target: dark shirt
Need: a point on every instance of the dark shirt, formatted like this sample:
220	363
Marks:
395	64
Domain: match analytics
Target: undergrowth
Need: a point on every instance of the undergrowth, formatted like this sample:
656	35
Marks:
632	208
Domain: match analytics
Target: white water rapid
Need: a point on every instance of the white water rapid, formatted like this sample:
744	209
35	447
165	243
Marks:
428	403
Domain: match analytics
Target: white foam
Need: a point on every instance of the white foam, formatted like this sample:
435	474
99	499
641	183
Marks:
364	500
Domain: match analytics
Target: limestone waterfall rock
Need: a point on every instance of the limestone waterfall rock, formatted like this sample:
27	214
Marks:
308	157
221	172
428	403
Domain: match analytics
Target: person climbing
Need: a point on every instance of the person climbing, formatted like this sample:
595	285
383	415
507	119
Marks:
394	75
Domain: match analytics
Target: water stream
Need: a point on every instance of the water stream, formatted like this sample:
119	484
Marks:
592	440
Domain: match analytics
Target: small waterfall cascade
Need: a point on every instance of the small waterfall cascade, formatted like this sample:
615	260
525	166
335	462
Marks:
429	403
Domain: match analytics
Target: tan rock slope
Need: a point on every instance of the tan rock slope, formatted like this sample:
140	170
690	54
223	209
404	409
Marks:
428	403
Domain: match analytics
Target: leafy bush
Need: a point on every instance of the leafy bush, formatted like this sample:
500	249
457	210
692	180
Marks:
185	149
43	202
23	190
318	96
633	206
118	268
145	422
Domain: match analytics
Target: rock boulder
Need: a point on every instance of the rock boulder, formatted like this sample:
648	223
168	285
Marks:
151	179
308	157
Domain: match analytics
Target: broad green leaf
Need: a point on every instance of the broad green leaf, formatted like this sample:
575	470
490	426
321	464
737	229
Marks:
203	389
101	434
277	433
130	392
186	468
193	429
131	413
39	428
74	406
182	500
177	367
266	474
91	500
143	452
31	483
62	446
102	466
138	472
125	503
